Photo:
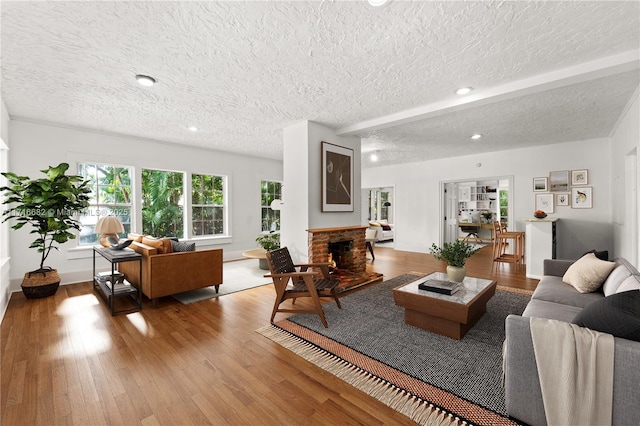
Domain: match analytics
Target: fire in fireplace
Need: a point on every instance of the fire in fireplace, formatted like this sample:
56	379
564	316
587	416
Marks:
341	254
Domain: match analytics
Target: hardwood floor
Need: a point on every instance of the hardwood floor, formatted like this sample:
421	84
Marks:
66	360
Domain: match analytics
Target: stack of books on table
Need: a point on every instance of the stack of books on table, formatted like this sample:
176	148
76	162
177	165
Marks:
442	287
121	285
106	276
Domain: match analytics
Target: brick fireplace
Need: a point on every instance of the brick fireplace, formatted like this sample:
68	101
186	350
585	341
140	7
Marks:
355	258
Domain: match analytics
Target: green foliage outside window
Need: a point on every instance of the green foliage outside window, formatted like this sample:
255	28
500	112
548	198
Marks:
504	206
110	196
207	200
162	203
270	191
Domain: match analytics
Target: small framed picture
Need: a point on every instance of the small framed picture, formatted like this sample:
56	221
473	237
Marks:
562	199
464	193
582	197
559	181
579	177
544	202
540	184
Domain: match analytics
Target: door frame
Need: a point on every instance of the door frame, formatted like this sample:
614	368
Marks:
443	199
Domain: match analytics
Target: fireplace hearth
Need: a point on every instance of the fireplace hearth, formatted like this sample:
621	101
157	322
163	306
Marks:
348	248
341	254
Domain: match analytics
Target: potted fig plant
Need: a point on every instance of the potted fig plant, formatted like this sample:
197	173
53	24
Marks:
455	255
270	241
50	205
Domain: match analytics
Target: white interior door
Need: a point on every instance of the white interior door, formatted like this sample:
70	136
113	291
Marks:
451	212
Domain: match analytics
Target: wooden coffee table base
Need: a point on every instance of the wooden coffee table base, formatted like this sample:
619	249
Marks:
455	330
442	316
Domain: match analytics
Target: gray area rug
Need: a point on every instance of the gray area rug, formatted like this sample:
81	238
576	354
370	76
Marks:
236	276
371	324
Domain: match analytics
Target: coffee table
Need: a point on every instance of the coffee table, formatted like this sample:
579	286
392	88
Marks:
450	316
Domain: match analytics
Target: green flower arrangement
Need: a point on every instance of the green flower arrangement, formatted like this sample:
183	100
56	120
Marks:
454	254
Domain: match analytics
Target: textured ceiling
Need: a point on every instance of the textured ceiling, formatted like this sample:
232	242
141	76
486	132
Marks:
241	71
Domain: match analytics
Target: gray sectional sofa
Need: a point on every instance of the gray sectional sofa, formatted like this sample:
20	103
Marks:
554	299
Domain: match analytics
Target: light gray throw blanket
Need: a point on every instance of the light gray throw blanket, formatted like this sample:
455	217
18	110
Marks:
575	367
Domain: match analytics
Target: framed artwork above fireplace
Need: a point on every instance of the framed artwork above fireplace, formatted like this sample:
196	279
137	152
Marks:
337	178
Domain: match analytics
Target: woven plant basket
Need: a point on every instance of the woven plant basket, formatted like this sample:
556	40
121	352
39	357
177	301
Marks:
41	283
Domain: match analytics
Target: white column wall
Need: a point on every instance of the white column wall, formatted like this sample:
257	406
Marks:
302	207
418	202
5	264
294	213
36	146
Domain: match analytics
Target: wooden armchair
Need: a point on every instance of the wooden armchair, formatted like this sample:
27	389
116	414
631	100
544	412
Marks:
304	283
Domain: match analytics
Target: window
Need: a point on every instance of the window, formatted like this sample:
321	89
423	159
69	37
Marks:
110	195
504	206
380	204
207	205
162	203
270	218
384	205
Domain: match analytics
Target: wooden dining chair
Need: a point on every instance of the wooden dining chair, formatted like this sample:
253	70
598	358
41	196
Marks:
291	283
502	239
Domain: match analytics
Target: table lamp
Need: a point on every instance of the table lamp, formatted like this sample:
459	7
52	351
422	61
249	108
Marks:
108	226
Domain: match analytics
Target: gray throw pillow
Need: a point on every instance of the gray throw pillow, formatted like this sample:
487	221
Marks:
179	246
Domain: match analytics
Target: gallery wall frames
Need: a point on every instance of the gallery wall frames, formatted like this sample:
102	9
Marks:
540	184
562	199
544	202
337	178
559	181
582	197
563	188
579	177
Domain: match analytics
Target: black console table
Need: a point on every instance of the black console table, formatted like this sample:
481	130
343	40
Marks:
103	285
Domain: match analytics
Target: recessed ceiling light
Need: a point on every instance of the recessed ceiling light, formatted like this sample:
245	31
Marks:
145	80
464	90
476	136
374	157
377	3
192	128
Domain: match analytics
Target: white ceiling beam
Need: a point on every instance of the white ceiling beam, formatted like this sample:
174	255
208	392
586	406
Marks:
603	67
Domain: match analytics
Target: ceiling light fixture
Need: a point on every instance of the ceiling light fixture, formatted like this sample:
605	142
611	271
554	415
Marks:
192	128
145	80
374	156
464	90
476	136
377	3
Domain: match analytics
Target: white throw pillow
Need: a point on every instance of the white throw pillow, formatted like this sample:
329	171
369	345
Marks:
631	283
615	278
588	273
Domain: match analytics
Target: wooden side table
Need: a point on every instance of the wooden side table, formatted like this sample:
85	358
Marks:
259	254
109	293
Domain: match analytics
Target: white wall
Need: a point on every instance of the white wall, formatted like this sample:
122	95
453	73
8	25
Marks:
294	213
418	201
36	146
625	140
5	290
302	207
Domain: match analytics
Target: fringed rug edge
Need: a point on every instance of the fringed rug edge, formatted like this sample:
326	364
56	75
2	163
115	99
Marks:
417	409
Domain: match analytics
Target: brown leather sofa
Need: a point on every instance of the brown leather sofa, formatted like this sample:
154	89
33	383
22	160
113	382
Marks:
165	272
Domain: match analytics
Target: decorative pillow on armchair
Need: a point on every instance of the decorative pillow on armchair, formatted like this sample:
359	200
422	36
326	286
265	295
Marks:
588	273
180	246
386	228
163	245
